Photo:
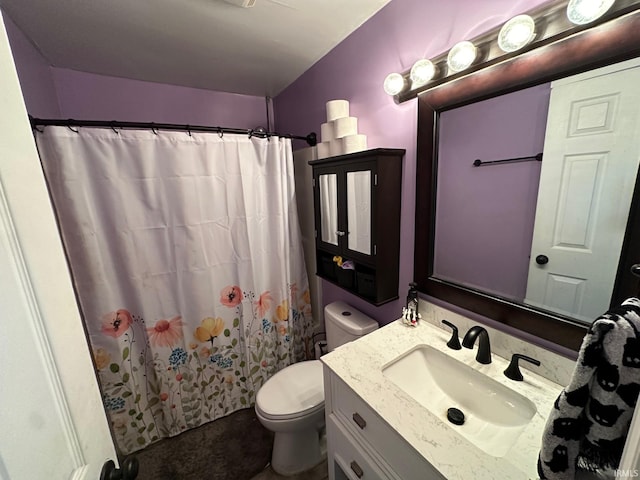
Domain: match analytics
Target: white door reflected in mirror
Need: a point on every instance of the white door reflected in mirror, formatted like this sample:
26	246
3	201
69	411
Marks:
591	156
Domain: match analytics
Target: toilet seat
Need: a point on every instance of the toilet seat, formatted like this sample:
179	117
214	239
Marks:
295	391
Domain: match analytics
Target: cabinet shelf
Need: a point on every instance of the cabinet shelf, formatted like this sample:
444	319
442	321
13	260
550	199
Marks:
357	217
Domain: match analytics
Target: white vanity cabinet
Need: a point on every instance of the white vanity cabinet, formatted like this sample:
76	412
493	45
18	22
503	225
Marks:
362	446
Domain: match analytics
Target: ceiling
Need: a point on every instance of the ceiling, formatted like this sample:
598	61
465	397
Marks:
206	44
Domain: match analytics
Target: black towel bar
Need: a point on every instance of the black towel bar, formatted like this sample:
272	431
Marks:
479	163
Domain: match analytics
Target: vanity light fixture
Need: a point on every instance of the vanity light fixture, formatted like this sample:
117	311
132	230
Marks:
393	84
421	72
516	33
582	12
462	56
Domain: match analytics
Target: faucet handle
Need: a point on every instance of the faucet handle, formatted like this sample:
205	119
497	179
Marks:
513	370
454	343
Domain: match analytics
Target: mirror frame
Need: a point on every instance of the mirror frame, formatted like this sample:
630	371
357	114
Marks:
610	42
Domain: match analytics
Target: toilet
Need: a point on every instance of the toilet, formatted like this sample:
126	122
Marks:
291	403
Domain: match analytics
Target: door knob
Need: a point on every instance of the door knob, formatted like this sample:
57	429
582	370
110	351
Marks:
542	259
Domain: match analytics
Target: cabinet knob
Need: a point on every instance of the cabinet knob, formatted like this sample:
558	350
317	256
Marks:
359	420
356	469
340	233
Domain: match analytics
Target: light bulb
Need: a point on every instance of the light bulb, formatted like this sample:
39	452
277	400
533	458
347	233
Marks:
516	33
393	84
582	12
461	56
421	72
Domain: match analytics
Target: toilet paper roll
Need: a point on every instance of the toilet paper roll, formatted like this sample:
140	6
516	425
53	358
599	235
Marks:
326	132
336	147
337	109
324	149
354	143
345	126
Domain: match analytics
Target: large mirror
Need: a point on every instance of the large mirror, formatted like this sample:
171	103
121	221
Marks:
479	228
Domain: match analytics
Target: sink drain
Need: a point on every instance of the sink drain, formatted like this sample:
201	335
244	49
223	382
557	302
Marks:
455	416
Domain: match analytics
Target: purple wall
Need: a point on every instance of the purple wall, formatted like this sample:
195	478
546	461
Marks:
34	73
98	97
490	208
51	92
392	40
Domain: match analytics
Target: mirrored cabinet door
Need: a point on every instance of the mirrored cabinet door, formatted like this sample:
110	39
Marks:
328	184
359	211
357	218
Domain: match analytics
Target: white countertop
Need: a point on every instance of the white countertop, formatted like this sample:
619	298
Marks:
359	364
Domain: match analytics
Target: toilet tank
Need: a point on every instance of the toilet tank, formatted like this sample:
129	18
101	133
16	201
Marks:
343	324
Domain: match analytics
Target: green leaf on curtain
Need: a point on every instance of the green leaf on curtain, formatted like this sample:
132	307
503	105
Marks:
114	367
186	408
141	440
132	412
125	353
139	416
242	364
150	427
153	401
254	369
197	415
137	398
234	342
126	394
243	400
243	379
236	322
255	357
141	360
141	429
227	332
125	378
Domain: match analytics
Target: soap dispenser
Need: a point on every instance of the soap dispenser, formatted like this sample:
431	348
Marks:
410	315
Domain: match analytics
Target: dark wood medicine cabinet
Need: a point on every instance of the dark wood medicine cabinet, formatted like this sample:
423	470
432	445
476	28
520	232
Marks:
357	218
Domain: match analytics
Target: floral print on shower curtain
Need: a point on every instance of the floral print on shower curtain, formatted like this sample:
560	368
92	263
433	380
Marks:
187	260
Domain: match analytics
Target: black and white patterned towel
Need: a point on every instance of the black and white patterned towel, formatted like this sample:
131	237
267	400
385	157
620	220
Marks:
588	425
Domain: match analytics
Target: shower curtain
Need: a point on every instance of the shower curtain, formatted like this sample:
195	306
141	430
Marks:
187	260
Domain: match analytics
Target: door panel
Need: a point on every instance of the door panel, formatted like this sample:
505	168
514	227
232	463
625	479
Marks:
591	154
52	417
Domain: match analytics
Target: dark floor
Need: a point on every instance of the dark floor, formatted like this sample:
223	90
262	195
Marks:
236	447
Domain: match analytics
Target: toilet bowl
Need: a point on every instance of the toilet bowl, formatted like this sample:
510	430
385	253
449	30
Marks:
291	403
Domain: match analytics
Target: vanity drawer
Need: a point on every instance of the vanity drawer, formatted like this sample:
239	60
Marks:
365	425
349	461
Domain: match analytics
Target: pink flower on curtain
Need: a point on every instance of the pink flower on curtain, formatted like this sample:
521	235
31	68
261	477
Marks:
166	333
263	304
116	323
231	296
209	329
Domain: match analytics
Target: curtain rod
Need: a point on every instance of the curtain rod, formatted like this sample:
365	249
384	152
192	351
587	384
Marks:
311	139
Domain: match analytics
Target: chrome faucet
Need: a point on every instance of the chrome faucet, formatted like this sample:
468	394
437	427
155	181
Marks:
484	347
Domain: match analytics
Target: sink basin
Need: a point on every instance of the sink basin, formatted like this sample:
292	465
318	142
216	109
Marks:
495	415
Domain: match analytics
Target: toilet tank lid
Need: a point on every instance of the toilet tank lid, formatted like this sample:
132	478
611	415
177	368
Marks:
349	319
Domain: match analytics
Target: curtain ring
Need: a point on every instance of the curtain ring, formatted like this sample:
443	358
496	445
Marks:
220	132
153	128
71	128
35	127
113	127
250	133
189	130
